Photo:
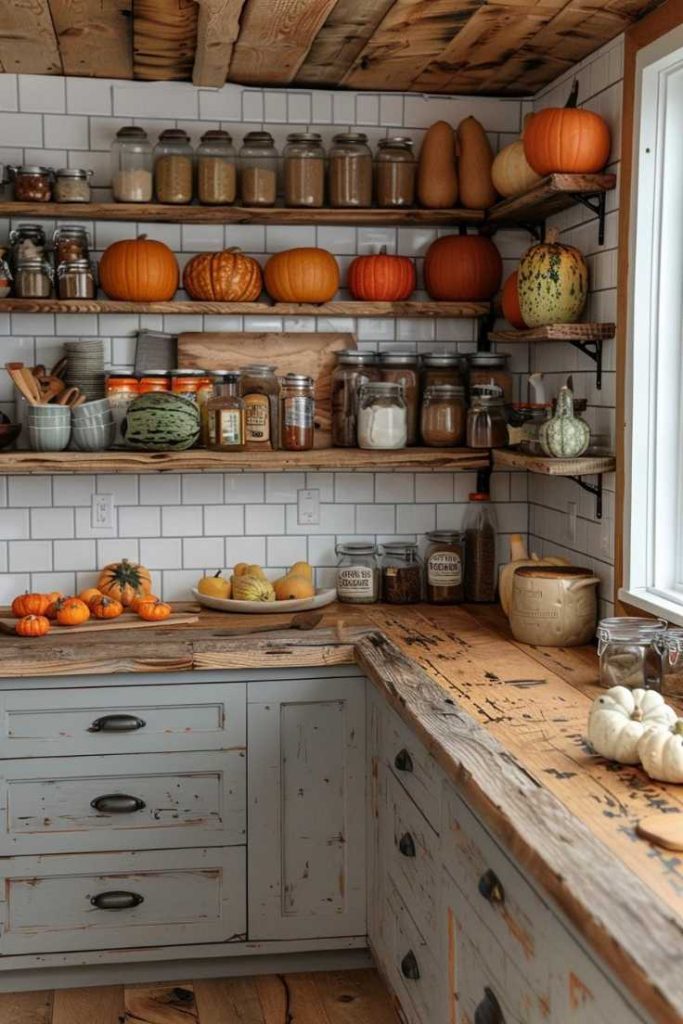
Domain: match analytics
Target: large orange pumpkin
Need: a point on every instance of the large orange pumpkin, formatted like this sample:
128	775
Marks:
567	139
381	278
124	581
509	301
302	275
139	270
462	268
227	276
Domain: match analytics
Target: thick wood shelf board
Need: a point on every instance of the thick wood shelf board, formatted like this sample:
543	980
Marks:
506	458
453	459
557	332
554	193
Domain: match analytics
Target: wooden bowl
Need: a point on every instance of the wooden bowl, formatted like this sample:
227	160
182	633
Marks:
9	432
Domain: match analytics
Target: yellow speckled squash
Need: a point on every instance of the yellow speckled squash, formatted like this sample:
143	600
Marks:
552	283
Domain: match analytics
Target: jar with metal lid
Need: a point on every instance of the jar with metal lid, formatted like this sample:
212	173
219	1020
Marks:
72	185
304	164
261	394
488	368
121	388
631	652
173	167
76	280
206	390
32	278
445	567
71	242
27	241
382	416
154	380
186	383
480	525
131	172
353	369
350	170
297	413
258	161
672	642
32	183
486	423
358	574
401	573
441	368
225	414
402	368
216	169
443	416
5	275
395	168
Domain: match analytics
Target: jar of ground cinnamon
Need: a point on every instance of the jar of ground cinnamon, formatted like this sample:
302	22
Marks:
395	172
216	169
350	170
443	416
297	413
304	161
445	567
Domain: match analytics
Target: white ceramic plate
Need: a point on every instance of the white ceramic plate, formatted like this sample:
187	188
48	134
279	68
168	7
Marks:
220	604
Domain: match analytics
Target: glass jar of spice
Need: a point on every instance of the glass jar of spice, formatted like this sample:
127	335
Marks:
155	380
32	278
401	572
486	423
352	370
490	368
402	368
71	242
445	567
121	389
350	170
72	185
443	417
395	168
27	241
186	383
358	574
76	280
480	550
297	413
131	173
216	169
258	161
225	414
441	368
173	167
261	394
382	416
304	160
32	184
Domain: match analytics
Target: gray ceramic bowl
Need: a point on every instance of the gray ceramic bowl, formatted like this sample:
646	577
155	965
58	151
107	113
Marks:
88	410
52	438
49	413
95	438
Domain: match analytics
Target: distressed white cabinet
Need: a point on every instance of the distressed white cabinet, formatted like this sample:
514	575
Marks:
306	808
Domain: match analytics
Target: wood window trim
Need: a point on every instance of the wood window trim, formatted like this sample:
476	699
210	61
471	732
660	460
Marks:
657	24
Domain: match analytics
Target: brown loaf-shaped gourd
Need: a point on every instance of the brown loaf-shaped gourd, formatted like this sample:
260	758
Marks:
437	178
475	159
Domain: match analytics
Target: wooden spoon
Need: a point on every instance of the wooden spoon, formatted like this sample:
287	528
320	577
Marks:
302	620
14	370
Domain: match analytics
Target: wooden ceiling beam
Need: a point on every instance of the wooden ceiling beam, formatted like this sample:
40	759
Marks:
28	42
95	39
164	39
348	28
217	30
274	39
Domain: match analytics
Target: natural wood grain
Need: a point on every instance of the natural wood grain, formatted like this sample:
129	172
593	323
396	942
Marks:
93	626
354	997
557	332
88	1005
26	1007
347	29
228	1001
164	39
28	43
663	830
160	1004
549	196
275	36
272	995
94	38
217	29
507	458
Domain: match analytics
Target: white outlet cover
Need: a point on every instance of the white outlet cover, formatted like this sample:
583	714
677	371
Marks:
308	507
102	512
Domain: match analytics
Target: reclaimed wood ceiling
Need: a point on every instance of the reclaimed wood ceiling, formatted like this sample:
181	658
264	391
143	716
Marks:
505	47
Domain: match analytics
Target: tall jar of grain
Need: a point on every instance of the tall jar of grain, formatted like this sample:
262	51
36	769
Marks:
258	170
131	173
173	167
216	169
304	160
350	170
395	172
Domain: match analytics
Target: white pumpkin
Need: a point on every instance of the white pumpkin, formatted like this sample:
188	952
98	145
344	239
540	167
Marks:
661	752
621	717
510	171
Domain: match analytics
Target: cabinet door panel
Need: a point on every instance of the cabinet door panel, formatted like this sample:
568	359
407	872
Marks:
306	798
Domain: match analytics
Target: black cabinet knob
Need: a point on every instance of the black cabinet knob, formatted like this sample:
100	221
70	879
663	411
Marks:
116	900
489	1011
491	888
403	762
409	967
406	845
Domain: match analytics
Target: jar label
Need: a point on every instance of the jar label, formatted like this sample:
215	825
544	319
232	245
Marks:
444	569
229	426
355	581
257	417
298	412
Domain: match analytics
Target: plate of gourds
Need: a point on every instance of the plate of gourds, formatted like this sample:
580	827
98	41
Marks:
248	590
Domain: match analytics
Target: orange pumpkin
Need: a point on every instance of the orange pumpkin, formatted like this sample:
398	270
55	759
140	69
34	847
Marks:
73	612
54	595
139	270
32	625
29	604
227	276
124	581
567	139
104	607
136	602
154	611
89	595
381	278
509	302
54	607
462	268
302	275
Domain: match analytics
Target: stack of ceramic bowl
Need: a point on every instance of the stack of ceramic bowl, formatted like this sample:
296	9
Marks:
92	426
85	367
49	427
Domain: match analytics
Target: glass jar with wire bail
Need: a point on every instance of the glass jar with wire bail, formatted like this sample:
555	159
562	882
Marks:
395	168
174	167
32	278
672	685
131	172
72	185
216	169
401	572
304	165
631	652
358	573
258	163
353	369
76	280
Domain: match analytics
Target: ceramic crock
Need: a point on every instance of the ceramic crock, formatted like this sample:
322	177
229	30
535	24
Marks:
553	605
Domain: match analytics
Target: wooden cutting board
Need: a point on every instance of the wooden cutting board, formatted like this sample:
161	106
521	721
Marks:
291	352
125	621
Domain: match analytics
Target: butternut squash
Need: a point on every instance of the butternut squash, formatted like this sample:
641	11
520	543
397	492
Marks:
475	159
437	179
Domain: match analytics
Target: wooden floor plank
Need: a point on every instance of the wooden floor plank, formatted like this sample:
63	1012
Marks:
228	1001
272	994
159	1004
25	1007
88	1005
354	997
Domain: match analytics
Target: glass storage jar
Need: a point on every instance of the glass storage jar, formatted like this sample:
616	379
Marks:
206	390
350	170
131	171
401	573
352	370
358	574
481	568
395	168
441	368
71	242
258	162
225	414
261	394
486	423
443	417
382	416
72	185
402	368
187	383
297	413
76	280
216	169
304	163
445	567
32	278
32	184
672	684
486	368
155	380
173	167
121	388
5	275
26	241
631	652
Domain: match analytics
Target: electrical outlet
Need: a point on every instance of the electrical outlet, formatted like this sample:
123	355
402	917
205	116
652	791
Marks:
308	508
102	512
571	522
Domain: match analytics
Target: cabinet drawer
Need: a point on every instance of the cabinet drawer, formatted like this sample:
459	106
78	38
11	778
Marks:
122	719
412	969
57	805
59	904
413	766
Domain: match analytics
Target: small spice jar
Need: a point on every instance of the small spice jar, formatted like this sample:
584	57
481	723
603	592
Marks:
258	162
5	276
402	368
382	416
216	169
72	185
672	643
358	574
490	368
206	390
225	414
443	417
350	170
186	383
32	278
154	380
32	184
486	423
173	167
121	388
395	168
75	280
631	652
304	162
71	242
261	394
352	370
401	573
297	413
445	567
131	157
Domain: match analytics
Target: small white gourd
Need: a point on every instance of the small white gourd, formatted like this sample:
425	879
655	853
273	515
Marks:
565	436
620	717
661	752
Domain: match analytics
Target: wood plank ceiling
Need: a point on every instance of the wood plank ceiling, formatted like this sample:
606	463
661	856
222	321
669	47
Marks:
503	47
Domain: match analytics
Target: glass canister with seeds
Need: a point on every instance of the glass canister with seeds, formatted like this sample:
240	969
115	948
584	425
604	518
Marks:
304	163
216	169
350	170
258	162
174	167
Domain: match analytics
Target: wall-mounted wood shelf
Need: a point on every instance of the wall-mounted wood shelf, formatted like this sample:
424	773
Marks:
587	337
574	469
552	194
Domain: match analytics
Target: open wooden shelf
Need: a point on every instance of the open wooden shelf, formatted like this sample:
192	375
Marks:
557	332
554	193
449	459
586	465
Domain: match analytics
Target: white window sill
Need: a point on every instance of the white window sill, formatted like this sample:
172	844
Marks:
655	604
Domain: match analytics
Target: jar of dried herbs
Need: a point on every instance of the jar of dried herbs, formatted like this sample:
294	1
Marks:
401	572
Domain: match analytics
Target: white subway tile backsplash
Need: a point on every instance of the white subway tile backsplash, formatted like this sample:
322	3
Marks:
353	487
415	518
139	521
245	549
29	491
285	551
66	131
8	91
160	490
226	520
89	96
73	555
156	99
244	487
50	523
34	97
182	521
203	552
162	553
284	487
14	523
21	129
30	555
264	519
123	486
394	487
376	518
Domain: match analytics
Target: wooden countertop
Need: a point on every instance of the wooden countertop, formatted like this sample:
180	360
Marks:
505	721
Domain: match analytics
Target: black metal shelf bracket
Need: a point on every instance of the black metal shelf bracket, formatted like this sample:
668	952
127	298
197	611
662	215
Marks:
596	204
535	228
595	489
486	324
592	349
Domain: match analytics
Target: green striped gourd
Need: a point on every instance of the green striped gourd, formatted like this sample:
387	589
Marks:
552	283
161	422
565	436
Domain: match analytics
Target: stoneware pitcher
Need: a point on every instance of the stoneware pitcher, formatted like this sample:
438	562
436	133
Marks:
554	605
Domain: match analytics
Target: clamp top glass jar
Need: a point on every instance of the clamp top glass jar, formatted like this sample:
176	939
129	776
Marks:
401	571
350	170
304	160
32	184
395	167
486	423
352	370
173	167
258	170
72	185
491	367
131	158
382	416
216	169
631	652
357	573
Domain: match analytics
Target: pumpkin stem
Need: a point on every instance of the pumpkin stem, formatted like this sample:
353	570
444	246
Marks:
217	574
677	727
573	96
382	250
637	715
552	236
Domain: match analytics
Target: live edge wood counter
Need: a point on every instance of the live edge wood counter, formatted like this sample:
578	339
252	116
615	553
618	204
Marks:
506	722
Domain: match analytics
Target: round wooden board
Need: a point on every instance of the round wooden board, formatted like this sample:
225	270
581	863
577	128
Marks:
663	829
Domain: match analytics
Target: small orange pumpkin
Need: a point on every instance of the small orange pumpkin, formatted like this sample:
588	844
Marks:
29	604
137	601
32	625
462	268
227	276
124	581
509	301
381	278
302	275
73	612
54	607
567	139
154	611
139	270
89	595
54	595
104	607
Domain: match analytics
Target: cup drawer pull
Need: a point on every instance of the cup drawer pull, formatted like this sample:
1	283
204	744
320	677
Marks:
403	762
491	888
489	1011
409	967
117	723
406	845
116	900
117	803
